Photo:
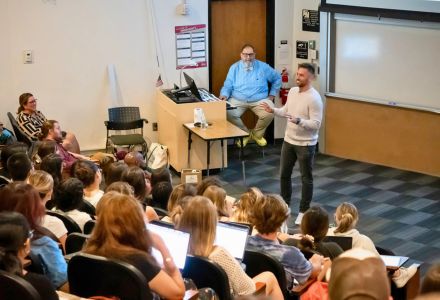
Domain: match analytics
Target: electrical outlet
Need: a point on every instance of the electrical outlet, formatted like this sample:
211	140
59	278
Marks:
155	126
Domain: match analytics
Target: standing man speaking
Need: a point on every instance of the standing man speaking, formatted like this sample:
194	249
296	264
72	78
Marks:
303	111
247	87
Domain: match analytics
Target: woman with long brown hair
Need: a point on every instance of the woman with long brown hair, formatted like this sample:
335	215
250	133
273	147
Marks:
200	220
120	233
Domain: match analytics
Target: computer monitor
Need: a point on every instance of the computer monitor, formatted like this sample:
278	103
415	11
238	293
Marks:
232	237
192	87
176	241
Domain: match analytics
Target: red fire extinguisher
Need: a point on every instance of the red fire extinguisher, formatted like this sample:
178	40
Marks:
284	90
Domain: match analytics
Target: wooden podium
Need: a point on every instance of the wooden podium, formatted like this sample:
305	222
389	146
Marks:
171	116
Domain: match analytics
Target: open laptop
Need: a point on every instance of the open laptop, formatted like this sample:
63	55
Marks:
393	262
232	237
176	241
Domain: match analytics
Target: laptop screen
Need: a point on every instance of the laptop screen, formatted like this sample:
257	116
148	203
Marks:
176	241
233	238
394	261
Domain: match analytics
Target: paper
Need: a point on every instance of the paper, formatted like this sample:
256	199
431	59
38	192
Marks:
191	46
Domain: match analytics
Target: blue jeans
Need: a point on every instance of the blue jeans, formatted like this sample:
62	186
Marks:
305	156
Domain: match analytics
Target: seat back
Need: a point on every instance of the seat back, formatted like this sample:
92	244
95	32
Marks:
70	224
160	212
75	242
19	134
124	114
345	242
91	275
206	273
15	287
385	251
88	208
88	227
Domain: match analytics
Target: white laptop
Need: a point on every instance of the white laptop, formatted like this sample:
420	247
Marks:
393	262
176	241
233	238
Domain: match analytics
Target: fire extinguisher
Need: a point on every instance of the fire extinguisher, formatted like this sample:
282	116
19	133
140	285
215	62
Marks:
284	90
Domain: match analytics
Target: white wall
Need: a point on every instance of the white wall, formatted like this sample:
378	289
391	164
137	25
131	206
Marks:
73	42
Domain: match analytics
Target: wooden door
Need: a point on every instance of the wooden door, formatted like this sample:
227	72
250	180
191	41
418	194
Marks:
233	24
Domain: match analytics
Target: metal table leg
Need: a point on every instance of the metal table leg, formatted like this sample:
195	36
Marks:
189	148
208	143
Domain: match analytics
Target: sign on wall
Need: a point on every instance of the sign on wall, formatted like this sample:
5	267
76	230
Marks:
302	49
310	20
191	46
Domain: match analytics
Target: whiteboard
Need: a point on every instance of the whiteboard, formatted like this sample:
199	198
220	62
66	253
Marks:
391	62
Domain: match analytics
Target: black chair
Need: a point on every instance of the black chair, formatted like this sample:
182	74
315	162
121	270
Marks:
70	224
160	212
345	242
75	242
19	134
14	287
258	262
206	273
88	227
125	118
91	275
384	251
88	208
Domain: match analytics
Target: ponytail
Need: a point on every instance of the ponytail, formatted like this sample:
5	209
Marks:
347	217
9	262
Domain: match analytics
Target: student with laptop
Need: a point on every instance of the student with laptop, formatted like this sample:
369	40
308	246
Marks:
269	215
120	233
200	220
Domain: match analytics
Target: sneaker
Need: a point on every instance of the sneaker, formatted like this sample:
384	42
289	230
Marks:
404	276
245	141
260	141
299	218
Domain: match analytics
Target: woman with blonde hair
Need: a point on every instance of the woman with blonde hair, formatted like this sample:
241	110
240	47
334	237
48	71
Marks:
346	218
120	233
179	192
200	220
244	207
43	183
218	196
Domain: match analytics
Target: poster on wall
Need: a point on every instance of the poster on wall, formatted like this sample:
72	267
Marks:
302	49
310	20
191	46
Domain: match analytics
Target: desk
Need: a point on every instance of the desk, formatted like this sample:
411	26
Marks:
219	130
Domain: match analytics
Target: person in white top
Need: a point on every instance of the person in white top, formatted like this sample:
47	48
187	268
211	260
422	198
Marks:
346	218
199	218
303	111
69	198
90	175
43	183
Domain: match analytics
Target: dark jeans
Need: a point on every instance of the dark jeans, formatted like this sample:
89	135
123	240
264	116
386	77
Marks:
305	156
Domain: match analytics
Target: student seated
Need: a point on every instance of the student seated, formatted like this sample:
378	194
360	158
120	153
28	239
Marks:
43	183
69	198
200	220
218	196
90	175
120	233
19	166
15	245
53	164
160	194
244	207
346	218
5	153
179	192
114	172
269	214
24	198
160	175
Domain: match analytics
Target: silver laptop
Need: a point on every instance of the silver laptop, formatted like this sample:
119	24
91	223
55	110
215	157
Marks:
233	238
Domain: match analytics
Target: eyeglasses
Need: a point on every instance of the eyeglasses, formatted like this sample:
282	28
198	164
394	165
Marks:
31	234
32	101
247	54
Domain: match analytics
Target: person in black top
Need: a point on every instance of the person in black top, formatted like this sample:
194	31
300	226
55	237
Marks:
15	235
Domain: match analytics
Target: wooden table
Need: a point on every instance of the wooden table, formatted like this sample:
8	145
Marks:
218	130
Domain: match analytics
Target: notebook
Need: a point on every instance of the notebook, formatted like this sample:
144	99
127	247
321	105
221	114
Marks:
176	241
393	262
233	238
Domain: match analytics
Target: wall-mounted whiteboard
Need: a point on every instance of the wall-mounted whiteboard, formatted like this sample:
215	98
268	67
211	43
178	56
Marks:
394	62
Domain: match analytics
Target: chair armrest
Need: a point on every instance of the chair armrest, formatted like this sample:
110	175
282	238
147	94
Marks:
191	295
145	120
260	288
301	288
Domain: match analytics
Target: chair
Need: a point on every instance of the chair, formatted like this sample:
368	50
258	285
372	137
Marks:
125	118
88	227
15	287
160	212
206	273
345	242
384	251
88	208
19	134
70	224
75	242
91	275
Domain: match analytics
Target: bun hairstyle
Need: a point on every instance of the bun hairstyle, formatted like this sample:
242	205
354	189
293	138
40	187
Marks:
245	206
346	217
314	227
22	100
85	171
14	231
45	128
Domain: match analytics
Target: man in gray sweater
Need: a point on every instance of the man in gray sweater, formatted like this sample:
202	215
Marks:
303	111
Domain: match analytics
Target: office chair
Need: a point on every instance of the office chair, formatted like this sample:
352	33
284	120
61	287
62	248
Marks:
19	134
70	224
91	275
88	208
125	118
15	287
206	273
88	227
75	242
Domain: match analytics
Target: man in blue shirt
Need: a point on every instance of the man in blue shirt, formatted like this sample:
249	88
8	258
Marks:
246	87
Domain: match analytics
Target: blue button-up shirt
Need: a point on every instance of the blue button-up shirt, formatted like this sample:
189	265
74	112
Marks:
251	85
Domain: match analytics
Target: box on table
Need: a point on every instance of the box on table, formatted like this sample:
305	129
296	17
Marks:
191	176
